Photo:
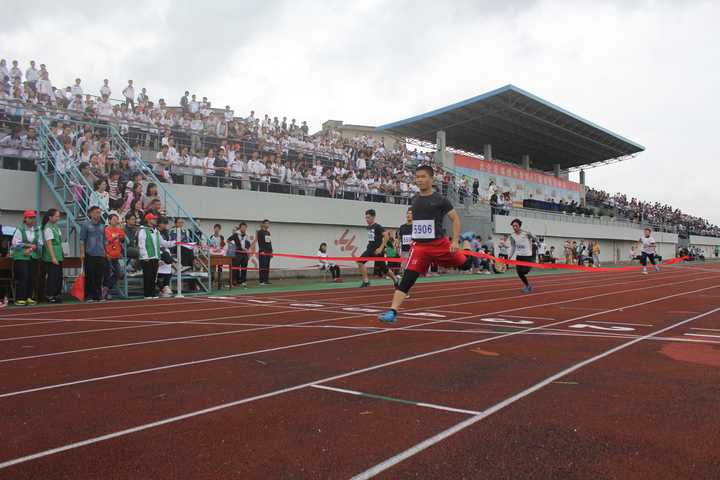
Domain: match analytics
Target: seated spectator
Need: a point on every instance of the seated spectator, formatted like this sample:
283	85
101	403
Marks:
326	265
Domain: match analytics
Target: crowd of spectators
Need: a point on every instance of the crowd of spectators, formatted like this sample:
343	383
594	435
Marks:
198	143
653	213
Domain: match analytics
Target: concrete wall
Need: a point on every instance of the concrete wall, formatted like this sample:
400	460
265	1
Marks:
615	241
707	244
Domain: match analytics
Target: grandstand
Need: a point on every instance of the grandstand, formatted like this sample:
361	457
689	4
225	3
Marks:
504	153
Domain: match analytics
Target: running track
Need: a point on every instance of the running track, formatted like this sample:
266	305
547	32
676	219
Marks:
593	376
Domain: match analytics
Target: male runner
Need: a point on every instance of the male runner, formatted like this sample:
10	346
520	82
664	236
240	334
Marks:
430	244
648	249
521	242
406	238
376	243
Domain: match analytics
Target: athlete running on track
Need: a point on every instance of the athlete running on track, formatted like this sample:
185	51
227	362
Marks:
648	249
521	243
430	244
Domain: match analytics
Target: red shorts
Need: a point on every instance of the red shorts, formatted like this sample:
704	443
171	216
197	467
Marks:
436	251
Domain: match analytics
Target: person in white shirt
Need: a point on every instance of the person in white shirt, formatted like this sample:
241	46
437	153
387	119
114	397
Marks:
228	114
76	89
521	245
326	265
129	94
104	108
237	169
196	126
15	72
648	249
32	75
194	106
4	72
105	89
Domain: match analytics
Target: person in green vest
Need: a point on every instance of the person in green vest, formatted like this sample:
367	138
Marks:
52	256
149	243
717	251
25	248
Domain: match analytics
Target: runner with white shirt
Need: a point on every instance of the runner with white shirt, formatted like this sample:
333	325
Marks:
521	245
648	250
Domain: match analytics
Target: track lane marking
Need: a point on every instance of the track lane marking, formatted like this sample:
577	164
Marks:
380	366
414	450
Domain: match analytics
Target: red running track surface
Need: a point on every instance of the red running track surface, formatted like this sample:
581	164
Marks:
592	376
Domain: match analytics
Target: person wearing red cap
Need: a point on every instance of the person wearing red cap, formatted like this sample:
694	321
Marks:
25	248
149	243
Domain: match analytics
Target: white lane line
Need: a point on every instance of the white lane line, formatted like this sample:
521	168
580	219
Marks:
397	400
525	317
31	323
76	332
224	406
701	335
209	321
623	323
414	450
707	329
51	354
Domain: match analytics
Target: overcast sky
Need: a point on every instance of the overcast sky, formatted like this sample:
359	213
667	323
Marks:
648	70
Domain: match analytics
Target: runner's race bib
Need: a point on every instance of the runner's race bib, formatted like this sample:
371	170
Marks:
268	239
423	229
371	236
407	239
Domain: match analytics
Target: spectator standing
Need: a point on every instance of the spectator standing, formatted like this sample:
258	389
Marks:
241	240
114	238
149	244
131	246
25	248
180	234
32	75
93	255
129	94
265	250
166	261
52	256
596	254
568	252
105	89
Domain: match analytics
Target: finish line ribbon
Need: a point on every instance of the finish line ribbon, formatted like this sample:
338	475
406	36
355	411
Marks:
507	261
544	266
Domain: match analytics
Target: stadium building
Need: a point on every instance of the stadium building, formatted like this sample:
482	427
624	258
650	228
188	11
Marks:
500	155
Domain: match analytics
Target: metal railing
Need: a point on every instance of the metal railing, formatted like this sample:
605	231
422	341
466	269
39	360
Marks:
171	206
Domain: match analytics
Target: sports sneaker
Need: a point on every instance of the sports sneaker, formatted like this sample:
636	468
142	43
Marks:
21	303
389	316
31	302
262	284
244	285
90	300
644	272
657	268
364	284
527	289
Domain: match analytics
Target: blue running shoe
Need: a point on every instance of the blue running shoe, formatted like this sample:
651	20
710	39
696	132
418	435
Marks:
527	289
389	316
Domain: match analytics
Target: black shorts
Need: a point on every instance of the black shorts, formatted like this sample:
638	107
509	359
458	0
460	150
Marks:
369	252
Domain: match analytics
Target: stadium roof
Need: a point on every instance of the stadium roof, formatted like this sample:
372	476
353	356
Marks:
516	122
